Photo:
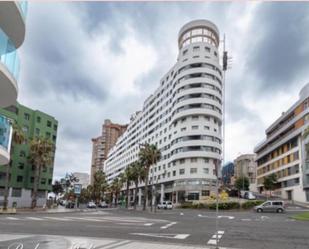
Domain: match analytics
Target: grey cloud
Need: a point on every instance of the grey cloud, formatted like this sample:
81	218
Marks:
276	57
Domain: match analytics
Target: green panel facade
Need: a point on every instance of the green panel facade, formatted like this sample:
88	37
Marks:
33	123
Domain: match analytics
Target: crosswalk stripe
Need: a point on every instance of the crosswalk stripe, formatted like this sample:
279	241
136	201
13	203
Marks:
12	218
55	218
34	218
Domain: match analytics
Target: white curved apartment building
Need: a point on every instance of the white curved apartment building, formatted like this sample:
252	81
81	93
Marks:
12	34
183	117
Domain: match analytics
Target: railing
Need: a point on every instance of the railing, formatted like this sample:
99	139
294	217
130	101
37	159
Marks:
23	6
8	55
5	131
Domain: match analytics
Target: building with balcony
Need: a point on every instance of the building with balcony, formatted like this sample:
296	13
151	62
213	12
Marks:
228	174
12	35
285	153
102	144
183	117
245	166
34	123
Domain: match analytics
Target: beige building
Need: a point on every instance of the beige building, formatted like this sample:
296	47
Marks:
284	152
102	144
245	165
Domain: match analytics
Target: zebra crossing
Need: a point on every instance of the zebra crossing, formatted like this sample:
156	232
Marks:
137	221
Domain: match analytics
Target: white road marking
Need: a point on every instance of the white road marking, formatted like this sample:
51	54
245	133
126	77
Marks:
160	235
168	225
246	219
205	216
181	213
225	216
12	218
148	224
216	237
116	245
34	218
56	218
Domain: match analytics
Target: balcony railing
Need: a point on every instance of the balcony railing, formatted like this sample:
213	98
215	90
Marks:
5	132
23	6
8	55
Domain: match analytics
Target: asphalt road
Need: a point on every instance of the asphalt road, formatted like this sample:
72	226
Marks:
246	230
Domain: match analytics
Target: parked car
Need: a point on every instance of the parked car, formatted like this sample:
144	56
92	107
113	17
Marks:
70	204
165	205
103	204
271	206
249	195
91	204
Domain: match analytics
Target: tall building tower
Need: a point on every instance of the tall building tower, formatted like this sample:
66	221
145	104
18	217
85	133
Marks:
12	35
102	144
183	117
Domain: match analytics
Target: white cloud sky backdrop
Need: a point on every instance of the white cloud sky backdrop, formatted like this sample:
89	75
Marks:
83	62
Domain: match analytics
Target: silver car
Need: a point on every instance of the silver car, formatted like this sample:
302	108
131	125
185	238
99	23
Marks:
271	206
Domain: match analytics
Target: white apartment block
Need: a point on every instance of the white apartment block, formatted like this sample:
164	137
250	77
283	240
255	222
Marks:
183	117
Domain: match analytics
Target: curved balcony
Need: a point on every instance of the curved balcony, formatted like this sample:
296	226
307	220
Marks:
9	71
12	20
196	111
5	140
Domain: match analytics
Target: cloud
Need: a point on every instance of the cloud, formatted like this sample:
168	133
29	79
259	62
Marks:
83	62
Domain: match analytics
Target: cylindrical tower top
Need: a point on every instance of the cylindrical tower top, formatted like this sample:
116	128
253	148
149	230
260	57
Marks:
304	92
198	31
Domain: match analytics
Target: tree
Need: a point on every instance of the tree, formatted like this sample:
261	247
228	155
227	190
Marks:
18	137
242	183
127	177
116	187
138	174
149	155
41	155
57	188
270	182
99	186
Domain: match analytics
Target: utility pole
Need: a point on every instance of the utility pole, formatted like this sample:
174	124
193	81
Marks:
220	162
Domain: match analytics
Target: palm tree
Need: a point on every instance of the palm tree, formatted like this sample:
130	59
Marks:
138	174
18	137
128	176
41	155
116	187
149	156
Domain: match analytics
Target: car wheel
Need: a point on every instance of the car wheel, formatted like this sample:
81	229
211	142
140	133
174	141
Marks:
279	210
259	210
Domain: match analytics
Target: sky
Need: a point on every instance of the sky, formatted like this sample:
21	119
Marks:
83	62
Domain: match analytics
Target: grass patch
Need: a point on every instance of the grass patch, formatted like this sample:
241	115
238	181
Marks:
302	216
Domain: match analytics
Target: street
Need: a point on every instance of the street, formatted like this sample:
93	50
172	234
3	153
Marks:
120	228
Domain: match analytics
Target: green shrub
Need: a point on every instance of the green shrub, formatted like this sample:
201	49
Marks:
251	204
198	205
186	205
224	205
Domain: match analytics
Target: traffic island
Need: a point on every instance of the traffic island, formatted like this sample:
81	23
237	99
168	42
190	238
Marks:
302	216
